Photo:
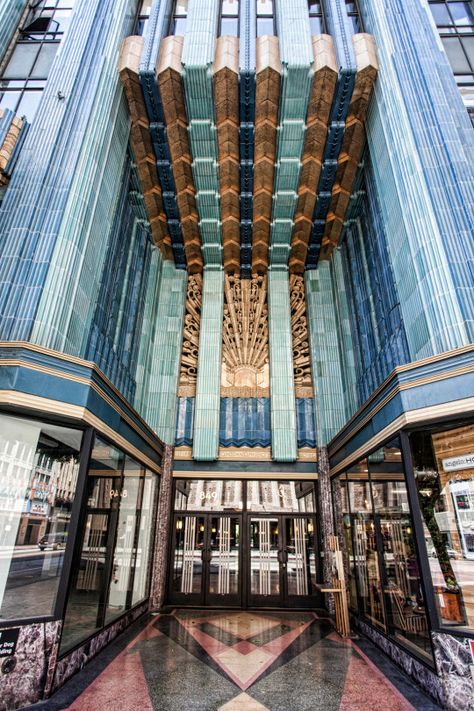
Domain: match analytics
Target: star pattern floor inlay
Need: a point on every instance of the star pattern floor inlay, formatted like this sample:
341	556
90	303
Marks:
241	661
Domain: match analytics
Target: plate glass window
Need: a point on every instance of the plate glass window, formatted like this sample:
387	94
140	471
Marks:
39	465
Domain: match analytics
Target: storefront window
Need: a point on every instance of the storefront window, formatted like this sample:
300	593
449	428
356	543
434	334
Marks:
404	600
39	465
444	473
384	576
110	574
348	549
366	559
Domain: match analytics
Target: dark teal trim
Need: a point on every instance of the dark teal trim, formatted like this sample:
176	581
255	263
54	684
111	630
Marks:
448	386
57	385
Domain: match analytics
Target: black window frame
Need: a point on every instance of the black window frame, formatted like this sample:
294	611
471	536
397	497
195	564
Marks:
30	84
317	14
452	30
229	16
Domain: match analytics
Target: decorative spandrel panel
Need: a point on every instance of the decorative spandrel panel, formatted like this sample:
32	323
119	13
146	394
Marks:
300	338
245	360
192	322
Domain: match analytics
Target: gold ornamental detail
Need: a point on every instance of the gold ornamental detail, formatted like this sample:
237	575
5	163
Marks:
245	367
299	334
190	350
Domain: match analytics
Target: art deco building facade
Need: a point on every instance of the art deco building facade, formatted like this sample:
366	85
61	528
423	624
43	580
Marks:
236	322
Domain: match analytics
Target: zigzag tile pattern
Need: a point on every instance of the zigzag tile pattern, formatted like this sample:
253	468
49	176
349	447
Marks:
140	139
172	94
353	142
268	80
322	94
197	60
297	60
226	94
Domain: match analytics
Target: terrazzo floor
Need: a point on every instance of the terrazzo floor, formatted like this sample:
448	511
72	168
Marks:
194	660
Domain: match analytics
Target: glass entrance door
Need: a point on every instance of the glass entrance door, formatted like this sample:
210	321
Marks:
205	566
282	561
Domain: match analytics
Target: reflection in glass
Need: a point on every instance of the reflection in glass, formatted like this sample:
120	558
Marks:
39	465
208	495
290	496
144	538
110	574
188	548
123	564
444	475
88	588
301	564
264	564
224	539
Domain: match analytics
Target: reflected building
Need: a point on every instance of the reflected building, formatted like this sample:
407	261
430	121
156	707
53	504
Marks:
236	322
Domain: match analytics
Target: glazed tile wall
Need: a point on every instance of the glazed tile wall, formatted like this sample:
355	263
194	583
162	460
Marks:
282	387
207	404
245	422
159	399
344	319
378	333
421	150
116	333
145	353
73	153
326	369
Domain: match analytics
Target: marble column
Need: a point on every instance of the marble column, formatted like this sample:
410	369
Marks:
162	531
325	519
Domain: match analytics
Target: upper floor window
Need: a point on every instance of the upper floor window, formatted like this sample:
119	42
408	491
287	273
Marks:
316	18
229	18
265	18
27	68
353	13
178	19
142	17
455	22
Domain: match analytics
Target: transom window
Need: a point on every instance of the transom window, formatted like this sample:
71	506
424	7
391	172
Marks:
229	18
26	72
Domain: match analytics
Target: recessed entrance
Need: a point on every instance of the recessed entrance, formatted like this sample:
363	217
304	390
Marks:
256	548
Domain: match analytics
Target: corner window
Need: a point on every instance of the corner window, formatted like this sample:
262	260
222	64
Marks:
385	581
39	465
110	575
443	465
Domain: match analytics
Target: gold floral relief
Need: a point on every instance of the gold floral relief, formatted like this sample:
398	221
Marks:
245	367
300	338
190	350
